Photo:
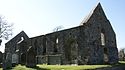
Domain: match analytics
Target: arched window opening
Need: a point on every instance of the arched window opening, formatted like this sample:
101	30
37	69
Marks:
57	41
56	45
102	39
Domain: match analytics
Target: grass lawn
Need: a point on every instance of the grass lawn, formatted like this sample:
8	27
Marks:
69	67
59	67
64	67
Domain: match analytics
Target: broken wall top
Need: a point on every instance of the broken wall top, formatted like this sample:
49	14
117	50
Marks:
97	10
18	36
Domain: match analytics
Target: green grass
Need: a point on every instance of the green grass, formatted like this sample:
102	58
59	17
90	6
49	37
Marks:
122	62
64	67
69	67
59	67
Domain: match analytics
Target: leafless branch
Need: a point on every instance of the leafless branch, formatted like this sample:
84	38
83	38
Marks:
5	28
57	28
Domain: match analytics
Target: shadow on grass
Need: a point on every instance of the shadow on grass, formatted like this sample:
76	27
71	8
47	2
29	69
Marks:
9	68
38	68
118	66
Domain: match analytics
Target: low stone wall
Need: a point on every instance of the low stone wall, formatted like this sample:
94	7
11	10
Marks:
49	59
53	59
41	60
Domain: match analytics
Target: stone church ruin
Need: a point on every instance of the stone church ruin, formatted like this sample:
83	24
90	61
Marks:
93	42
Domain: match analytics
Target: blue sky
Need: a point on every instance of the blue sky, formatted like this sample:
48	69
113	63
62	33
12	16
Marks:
38	17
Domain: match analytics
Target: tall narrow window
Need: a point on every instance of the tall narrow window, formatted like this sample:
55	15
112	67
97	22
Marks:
102	39
56	45
57	41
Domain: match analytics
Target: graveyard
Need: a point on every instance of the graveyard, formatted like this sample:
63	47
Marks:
91	45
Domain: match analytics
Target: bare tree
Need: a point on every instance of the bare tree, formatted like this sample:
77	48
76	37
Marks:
57	28
5	29
122	54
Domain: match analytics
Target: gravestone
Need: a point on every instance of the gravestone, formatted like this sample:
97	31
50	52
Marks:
23	59
1	57
14	59
7	62
31	57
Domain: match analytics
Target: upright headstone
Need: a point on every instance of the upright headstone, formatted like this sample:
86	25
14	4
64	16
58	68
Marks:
14	59
7	62
1	58
31	57
23	59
